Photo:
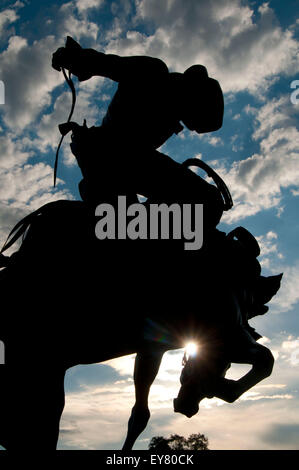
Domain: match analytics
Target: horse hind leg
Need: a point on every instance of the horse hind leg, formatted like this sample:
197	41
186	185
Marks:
3	406
34	401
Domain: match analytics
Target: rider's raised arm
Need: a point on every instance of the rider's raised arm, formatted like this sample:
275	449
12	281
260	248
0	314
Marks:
118	68
85	63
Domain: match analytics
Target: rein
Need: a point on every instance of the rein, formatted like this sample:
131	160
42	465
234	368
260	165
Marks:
70	83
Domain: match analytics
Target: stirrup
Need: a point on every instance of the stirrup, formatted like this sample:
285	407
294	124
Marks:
224	191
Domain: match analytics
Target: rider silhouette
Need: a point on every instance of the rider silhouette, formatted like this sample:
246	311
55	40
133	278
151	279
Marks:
120	157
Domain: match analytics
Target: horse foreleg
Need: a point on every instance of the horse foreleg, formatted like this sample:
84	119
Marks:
262	362
146	368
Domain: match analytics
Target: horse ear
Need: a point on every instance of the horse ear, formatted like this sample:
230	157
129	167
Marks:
275	282
269	287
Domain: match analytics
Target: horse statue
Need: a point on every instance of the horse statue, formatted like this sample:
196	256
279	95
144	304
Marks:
72	299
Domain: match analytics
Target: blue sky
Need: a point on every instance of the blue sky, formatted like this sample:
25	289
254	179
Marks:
252	48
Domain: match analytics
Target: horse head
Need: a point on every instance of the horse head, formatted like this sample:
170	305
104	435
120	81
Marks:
204	376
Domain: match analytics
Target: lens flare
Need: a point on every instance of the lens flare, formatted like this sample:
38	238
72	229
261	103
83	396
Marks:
191	349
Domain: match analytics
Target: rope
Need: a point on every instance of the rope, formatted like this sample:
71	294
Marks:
72	87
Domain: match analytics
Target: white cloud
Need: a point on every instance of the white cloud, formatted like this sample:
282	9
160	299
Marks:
13	151
215	141
96	417
288	294
28	187
275	114
78	28
269	386
84	5
123	365
291	347
73	20
26	68
68	158
242	50
254	396
9	216
236	147
24	186
9	16
29	79
256	182
269	248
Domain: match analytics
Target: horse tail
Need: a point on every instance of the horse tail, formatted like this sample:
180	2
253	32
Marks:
21	227
19	230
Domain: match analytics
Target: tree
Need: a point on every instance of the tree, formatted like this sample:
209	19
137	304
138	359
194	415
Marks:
176	442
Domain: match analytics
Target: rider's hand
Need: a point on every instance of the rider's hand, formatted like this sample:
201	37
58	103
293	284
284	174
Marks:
78	61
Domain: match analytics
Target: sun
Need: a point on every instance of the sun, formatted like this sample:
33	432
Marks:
191	349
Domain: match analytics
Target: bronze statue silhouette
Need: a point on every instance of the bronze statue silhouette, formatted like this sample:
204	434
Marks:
120	156
74	299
